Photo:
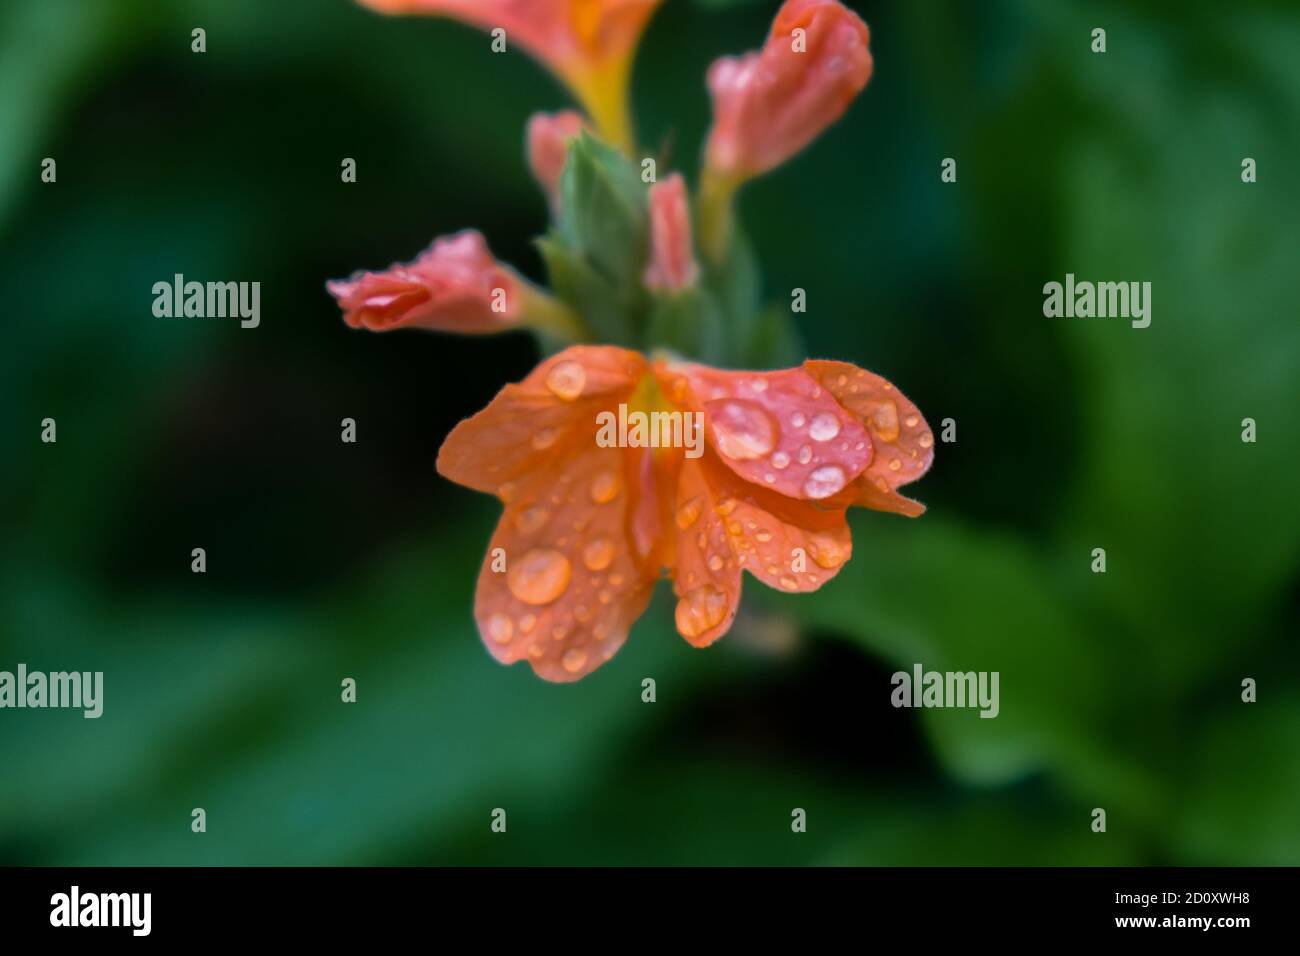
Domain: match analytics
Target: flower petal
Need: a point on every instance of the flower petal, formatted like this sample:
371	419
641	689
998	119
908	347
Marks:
778	430
571	586
706	575
528	425
769	104
453	286
904	444
672	258
548	137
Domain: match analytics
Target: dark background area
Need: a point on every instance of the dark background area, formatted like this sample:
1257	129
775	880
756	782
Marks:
328	560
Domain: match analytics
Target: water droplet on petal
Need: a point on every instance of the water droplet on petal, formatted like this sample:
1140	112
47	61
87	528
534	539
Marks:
797	420
574	659
895	465
539	577
824	481
726	506
780	460
500	628
689	512
763	535
742	430
715	562
910	421
823	427
545	438
531	519
884	421
605	487
598	554
827	550
805	455
789	583
527	623
567	380
700	611
926	440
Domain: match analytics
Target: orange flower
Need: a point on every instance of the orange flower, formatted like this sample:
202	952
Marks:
587	43
596	511
453	286
672	263
768	105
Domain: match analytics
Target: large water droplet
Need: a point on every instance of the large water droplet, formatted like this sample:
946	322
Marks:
689	512
598	554
700	611
884	421
605	487
824	481
567	380
742	430
828	551
500	628
574	659
539	577
715	562
926	440
823	427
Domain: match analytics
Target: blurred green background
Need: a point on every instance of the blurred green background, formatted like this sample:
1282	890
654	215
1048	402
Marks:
327	560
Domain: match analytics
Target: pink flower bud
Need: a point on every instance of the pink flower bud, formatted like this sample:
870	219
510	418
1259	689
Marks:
768	105
454	286
548	145
672	263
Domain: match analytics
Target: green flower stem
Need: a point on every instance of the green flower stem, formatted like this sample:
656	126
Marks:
545	313
716	214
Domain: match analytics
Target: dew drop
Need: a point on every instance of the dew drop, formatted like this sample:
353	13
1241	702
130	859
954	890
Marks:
797	420
789	583
539	577
780	460
823	427
910	421
715	562
828	551
545	438
884	421
763	535
700	610
742	430
598	554
531	519
689	512
926	440
500	628
726	506
567	380
605	487
527	623
895	464
805	455
824	481
574	659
